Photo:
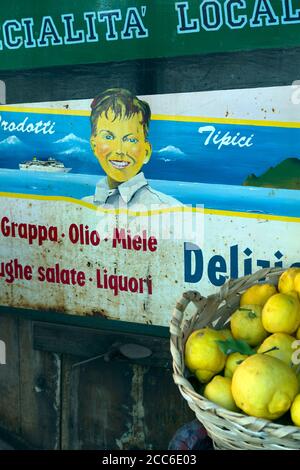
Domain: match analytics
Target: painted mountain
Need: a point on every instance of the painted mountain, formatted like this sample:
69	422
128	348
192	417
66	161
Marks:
284	175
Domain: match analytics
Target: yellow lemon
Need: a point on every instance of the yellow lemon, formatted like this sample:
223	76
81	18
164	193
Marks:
264	387
286	280
283	344
257	294
232	362
246	324
218	390
295	411
203	355
281	314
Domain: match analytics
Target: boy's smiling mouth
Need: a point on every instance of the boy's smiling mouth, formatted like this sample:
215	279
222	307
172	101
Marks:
119	164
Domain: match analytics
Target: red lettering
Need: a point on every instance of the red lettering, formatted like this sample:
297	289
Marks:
56	275
13	270
29	232
136	242
81	234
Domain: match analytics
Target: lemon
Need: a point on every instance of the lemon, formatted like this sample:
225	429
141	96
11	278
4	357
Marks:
246	324
286	280
295	411
264	387
218	390
203	355
281	314
232	362
257	294
283	343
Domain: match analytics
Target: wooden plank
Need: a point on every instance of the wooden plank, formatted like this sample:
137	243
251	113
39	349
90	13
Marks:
9	375
96	404
248	69
39	392
119	406
86	342
165	409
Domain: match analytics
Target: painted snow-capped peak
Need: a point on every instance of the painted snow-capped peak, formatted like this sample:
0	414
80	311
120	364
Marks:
71	138
170	149
11	140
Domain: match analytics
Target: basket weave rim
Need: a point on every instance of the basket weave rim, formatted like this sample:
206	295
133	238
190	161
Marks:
217	309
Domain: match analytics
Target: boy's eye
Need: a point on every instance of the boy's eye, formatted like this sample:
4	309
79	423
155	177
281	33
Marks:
108	137
132	140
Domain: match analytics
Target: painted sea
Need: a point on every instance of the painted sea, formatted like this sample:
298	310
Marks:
223	197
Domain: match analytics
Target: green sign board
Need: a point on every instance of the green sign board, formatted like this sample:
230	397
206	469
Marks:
42	34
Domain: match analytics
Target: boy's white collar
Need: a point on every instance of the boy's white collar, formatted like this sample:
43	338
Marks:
126	190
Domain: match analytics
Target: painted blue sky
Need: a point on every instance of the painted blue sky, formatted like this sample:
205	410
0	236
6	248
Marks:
179	150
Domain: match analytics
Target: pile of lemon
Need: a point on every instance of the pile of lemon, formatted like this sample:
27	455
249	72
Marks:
253	366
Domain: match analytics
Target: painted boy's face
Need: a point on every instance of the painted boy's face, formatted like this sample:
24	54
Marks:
120	146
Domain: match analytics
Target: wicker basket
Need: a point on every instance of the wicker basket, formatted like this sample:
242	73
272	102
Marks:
228	430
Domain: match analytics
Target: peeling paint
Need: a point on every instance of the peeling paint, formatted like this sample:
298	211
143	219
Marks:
135	436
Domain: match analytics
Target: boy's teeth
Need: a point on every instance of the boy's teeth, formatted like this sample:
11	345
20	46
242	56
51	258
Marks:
119	164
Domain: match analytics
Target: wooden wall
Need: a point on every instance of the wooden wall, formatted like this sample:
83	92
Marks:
50	402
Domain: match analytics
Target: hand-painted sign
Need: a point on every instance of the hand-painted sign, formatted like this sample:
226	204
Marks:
184	148
63	255
88	31
90	235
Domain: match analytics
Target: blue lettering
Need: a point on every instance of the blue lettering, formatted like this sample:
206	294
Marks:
90	18
263	8
28	29
110	17
278	255
184	26
288	15
262	263
192	273
231	19
234	265
216	265
247	262
49	32
71	37
9	41
211	14
134	25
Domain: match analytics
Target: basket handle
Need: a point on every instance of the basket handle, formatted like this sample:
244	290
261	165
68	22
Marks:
180	307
